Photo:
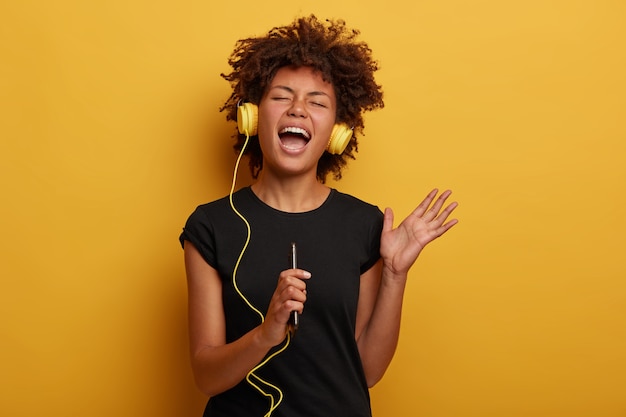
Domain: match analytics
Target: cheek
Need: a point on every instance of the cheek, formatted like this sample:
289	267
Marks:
265	130
264	141
324	130
266	120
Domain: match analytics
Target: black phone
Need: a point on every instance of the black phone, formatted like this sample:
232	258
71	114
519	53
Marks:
294	319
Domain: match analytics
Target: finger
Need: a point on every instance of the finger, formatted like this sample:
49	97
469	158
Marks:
300	274
290	306
447	226
432	213
289	295
423	206
293	299
388	220
294	278
292	293
443	216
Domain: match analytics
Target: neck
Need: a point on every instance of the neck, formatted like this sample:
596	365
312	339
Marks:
293	195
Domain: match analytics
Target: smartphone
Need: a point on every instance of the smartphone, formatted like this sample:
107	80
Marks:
294	319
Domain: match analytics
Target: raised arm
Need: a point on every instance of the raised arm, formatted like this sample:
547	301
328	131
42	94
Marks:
382	287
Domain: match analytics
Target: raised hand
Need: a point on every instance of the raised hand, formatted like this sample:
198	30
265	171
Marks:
401	246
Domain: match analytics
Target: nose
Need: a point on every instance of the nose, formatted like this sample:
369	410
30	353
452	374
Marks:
297	109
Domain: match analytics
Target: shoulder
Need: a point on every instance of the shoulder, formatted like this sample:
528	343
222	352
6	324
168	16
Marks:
354	204
211	223
222	205
353	213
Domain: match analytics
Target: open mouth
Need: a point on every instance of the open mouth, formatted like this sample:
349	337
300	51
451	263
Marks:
294	138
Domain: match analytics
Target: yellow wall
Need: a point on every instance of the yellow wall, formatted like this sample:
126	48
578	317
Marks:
110	136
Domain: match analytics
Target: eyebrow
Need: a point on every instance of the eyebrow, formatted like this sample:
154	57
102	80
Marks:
290	90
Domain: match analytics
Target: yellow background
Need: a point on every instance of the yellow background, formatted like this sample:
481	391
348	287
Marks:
111	135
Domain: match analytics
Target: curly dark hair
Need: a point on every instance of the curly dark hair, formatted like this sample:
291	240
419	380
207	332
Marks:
328	47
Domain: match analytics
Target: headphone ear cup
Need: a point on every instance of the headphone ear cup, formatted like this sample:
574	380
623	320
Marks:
247	119
339	139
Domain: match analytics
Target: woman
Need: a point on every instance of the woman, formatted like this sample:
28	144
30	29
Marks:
295	87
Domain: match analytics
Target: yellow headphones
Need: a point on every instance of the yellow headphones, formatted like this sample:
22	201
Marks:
248	120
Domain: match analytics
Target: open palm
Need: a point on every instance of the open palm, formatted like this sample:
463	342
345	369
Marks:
401	246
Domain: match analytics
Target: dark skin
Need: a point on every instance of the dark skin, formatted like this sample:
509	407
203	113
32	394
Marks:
331	49
299	97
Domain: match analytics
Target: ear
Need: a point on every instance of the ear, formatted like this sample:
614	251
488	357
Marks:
339	139
247	119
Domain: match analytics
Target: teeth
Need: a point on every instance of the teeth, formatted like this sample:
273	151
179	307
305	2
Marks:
295	130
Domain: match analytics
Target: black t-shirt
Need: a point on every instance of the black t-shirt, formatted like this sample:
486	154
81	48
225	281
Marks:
320	373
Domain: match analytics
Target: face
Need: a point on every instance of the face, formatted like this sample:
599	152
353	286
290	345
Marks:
296	117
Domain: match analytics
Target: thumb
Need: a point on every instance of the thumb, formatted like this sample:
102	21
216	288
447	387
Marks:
388	220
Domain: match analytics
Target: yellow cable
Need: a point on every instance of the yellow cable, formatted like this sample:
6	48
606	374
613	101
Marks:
273	403
245	246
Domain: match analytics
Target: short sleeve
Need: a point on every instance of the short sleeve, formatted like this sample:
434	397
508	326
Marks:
199	231
373	240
